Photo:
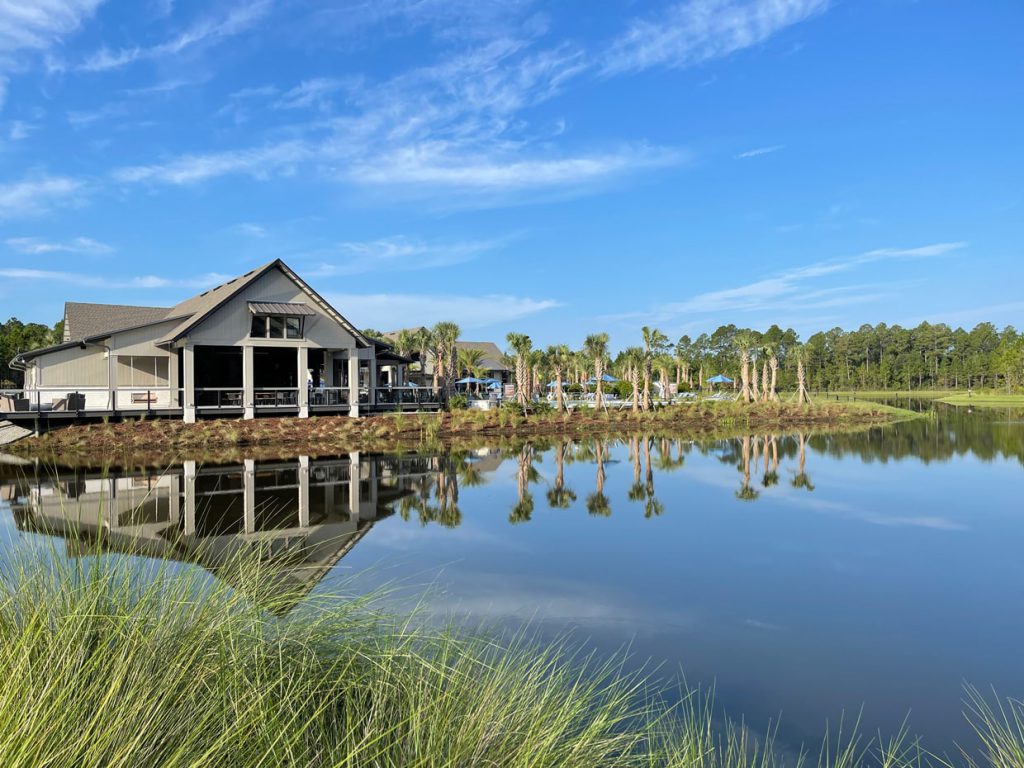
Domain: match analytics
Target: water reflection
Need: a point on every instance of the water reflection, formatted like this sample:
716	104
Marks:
805	572
305	513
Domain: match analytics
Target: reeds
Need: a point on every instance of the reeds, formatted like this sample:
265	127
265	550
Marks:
108	662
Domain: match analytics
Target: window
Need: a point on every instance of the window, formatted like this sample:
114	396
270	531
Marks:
276	327
139	371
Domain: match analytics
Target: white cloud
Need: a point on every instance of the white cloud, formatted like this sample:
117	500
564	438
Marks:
39	24
36	195
250	230
235	21
757	152
36	246
440	165
401	253
695	31
261	163
788	289
310	93
95	281
393	310
19	130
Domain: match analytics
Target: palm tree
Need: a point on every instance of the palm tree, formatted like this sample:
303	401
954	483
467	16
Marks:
744	341
558	359
597	502
596	348
746	493
423	341
560	497
526	473
800	353
655	342
801	480
521	346
444	335
663	363
773	363
632	359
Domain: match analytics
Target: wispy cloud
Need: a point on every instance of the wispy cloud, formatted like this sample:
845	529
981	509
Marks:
695	31
310	93
40	24
210	29
261	163
249	229
393	310
93	281
759	151
38	246
438	164
37	195
782	290
19	130
401	253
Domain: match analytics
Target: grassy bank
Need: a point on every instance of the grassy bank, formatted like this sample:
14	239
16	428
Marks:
161	442
986	400
106	665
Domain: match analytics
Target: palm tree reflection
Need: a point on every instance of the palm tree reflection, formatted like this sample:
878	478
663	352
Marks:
559	496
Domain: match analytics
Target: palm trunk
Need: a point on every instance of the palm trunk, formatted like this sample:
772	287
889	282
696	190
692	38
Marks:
755	395
764	382
560	399
599	390
634	378
801	384
774	363
647	389
745	376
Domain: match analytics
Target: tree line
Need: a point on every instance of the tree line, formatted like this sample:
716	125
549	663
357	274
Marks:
928	356
16	337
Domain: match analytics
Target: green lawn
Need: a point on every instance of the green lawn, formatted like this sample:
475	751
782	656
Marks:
986	400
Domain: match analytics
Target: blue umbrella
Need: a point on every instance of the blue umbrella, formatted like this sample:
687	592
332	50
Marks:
605	378
719	379
470	380
552	384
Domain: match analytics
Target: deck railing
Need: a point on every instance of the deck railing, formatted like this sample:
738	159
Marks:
218	397
275	397
328	397
400	397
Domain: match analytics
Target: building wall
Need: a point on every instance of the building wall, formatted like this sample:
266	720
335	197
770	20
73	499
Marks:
73	367
230	325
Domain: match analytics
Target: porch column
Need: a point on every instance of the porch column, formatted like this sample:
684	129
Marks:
190	498
371	366
303	379
248	382
353	487
249	495
303	491
353	382
189	381
111	381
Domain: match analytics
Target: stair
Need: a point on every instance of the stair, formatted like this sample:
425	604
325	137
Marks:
9	433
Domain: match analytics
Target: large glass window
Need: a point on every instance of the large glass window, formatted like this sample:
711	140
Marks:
276	327
139	371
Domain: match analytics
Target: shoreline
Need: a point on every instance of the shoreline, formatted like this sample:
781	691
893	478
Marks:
155	443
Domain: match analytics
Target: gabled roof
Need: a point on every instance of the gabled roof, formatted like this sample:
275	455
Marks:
492	355
198	308
82	320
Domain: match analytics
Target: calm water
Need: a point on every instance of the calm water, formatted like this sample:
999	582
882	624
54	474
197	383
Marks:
803	574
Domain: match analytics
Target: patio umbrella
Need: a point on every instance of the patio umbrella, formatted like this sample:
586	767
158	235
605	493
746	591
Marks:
719	379
470	380
605	377
552	384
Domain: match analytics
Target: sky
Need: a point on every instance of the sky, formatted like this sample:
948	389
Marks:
554	168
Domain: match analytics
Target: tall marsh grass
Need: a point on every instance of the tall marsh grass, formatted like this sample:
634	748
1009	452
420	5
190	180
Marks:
104	662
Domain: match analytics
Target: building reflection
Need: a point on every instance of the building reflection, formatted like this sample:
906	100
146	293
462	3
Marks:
303	514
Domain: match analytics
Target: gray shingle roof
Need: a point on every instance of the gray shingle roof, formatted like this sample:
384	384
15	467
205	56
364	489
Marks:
492	355
82	320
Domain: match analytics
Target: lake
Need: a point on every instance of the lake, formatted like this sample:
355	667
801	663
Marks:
803	575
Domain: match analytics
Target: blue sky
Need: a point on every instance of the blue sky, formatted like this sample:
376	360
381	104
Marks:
551	168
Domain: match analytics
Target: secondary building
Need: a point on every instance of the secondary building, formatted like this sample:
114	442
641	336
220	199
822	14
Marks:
264	342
